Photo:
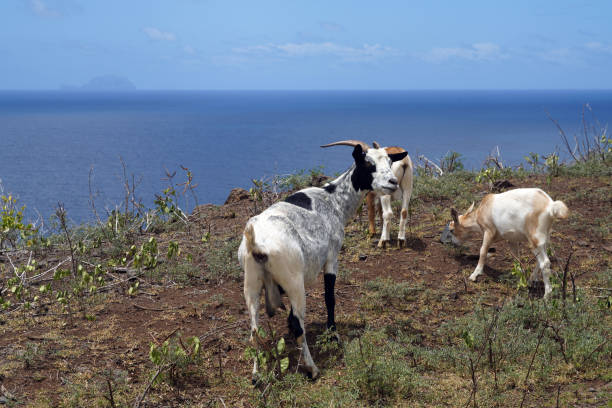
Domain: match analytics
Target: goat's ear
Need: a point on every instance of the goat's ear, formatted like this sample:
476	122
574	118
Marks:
358	154
455	215
397	156
470	209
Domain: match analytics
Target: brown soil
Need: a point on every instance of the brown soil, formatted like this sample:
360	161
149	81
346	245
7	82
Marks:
125	326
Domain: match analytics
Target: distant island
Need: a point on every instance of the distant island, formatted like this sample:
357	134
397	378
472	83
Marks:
103	83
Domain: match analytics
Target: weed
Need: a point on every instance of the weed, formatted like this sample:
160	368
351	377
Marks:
175	359
221	261
384	292
451	162
378	368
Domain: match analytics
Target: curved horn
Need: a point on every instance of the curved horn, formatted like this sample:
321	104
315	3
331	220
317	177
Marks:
353	143
375	145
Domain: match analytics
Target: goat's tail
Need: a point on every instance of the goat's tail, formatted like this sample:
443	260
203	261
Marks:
273	299
558	209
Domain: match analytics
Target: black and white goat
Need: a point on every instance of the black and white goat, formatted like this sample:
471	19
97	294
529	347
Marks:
286	246
376	201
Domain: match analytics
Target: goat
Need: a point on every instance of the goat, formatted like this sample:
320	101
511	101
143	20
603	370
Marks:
402	170
287	245
522	214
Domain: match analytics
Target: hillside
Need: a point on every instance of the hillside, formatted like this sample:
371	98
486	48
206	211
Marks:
106	308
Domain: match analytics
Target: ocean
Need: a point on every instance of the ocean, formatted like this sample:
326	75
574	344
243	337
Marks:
52	141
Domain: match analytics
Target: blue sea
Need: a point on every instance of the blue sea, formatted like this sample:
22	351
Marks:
51	141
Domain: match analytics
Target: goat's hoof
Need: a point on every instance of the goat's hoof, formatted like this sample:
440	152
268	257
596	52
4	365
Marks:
313	374
255	380
401	243
473	278
382	244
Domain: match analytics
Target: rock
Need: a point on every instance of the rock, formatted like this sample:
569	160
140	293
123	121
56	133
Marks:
363	257
237	194
582	243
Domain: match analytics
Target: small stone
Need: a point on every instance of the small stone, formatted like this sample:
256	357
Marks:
592	389
582	243
363	257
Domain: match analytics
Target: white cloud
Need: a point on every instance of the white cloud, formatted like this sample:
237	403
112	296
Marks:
558	55
600	47
40	8
477	52
156	34
189	49
329	26
367	52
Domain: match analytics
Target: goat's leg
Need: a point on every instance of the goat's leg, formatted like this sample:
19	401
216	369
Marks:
331	270
298	328
253	283
401	236
330	299
371	204
387	213
486	243
544	265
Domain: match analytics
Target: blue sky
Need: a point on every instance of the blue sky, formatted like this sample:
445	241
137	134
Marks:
290	44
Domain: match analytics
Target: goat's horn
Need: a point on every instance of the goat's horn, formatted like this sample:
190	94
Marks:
353	143
375	145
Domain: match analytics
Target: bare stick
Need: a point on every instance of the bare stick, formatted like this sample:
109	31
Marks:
563	137
40	275
222	328
432	164
531	365
92	201
61	215
146	390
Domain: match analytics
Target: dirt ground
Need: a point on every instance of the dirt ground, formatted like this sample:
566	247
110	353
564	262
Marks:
46	358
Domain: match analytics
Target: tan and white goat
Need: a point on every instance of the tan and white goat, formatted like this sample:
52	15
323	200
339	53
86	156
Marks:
402	170
523	214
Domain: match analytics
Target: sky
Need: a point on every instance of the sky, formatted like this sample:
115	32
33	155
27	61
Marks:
310	45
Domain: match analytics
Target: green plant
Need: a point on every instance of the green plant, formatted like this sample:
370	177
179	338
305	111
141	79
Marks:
167	206
522	273
175	358
378	369
552	164
451	162
221	261
147	256
270	354
384	292
173	250
534	161
13	229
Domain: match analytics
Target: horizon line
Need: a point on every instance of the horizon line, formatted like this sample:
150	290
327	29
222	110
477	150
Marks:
77	91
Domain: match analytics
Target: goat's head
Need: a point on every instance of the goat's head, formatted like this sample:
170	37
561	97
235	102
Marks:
457	230
372	166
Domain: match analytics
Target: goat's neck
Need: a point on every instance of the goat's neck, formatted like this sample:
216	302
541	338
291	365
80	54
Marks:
470	221
346	199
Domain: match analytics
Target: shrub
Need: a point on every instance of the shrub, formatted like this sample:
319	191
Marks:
378	368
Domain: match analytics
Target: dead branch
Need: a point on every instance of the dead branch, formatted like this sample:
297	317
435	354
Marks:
148	387
431	163
531	365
